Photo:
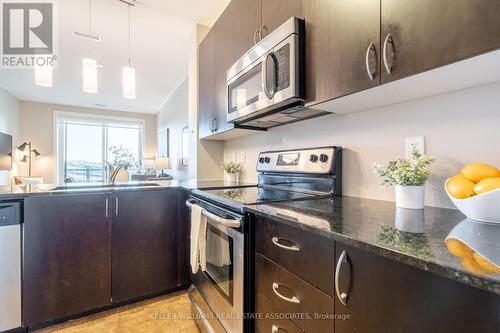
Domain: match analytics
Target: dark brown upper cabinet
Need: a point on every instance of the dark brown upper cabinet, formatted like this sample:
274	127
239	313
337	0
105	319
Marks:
342	47
275	12
384	296
145	243
224	40
247	15
67	256
206	86
425	34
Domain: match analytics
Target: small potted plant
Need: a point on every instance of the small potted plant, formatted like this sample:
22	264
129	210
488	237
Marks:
409	177
232	170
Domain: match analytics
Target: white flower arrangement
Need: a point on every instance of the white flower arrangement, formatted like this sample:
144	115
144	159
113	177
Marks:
411	172
232	167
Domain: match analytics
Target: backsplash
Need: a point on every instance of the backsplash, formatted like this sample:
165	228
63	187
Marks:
460	128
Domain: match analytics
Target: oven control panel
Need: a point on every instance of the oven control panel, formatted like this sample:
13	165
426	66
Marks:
314	160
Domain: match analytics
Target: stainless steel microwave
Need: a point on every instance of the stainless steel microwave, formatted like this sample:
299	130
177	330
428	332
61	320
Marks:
270	76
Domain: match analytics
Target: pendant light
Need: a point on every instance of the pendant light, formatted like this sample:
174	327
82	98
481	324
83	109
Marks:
43	75
89	65
129	72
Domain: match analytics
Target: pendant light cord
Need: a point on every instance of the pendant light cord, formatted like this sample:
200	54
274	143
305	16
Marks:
129	34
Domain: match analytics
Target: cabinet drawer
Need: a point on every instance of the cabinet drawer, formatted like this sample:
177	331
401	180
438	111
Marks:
276	288
306	254
271	319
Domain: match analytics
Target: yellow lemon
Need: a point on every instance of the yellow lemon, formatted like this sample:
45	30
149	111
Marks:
472	266
459	249
486	185
485	263
478	171
460	188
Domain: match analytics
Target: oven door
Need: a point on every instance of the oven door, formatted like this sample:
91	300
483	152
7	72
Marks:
221	284
271	79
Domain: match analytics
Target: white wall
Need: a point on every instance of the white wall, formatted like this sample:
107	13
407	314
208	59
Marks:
37	125
460	127
174	116
9	124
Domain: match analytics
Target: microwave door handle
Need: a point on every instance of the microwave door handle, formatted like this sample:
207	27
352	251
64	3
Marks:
265	88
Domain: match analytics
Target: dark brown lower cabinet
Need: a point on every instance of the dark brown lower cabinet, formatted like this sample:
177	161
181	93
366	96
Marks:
145	243
290	299
384	296
67	256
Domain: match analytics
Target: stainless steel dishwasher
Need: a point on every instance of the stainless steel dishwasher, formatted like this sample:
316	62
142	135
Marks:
10	265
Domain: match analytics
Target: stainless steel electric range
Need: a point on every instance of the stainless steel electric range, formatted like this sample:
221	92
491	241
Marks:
221	296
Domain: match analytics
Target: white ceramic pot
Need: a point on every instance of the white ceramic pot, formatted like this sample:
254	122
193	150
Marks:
123	176
411	197
232	177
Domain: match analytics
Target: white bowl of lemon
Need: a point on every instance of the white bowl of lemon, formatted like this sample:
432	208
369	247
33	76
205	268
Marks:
476	192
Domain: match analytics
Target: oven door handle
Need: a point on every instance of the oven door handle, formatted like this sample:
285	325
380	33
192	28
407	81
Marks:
232	223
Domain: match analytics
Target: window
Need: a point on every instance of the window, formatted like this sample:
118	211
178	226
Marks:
87	143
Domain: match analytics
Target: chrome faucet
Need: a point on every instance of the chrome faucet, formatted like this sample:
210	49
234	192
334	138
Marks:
113	172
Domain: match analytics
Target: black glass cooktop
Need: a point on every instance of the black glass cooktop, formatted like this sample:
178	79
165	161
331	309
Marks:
251	195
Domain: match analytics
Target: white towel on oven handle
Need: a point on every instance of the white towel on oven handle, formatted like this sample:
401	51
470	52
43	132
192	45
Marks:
197	239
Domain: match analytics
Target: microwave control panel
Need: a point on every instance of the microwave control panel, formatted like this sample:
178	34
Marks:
316	160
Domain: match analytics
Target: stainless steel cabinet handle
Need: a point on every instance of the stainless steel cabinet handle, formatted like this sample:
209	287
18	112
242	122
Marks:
212	123
107	207
260	32
117	204
293	300
276	241
388	62
342	296
371	71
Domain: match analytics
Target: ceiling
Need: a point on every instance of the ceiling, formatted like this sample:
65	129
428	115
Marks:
160	36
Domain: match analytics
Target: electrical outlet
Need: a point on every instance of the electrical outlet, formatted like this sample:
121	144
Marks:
243	156
415	142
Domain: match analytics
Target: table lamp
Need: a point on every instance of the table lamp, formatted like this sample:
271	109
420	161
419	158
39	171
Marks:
162	163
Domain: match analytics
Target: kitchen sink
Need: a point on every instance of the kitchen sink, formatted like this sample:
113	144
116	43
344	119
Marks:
102	186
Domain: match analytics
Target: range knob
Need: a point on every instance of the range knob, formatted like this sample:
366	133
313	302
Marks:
313	158
261	160
267	160
323	158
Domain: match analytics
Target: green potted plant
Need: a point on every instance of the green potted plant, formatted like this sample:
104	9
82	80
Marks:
232	170
409	177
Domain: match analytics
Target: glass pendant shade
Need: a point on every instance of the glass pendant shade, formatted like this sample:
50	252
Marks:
89	75
43	76
129	82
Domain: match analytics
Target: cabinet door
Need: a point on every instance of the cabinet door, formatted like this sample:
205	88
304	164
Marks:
342	47
206	85
67	256
275	12
384	296
144	243
247	20
427	34
224	39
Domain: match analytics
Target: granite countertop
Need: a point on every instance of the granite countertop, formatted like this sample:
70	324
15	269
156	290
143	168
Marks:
414	237
19	191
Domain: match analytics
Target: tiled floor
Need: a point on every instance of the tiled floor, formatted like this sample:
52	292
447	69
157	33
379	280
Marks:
168	314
